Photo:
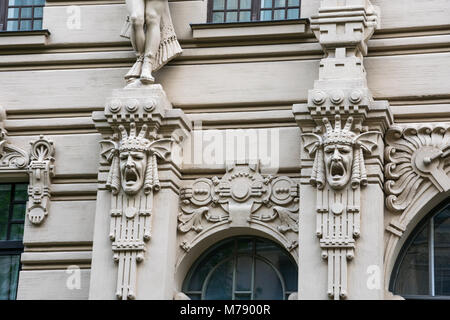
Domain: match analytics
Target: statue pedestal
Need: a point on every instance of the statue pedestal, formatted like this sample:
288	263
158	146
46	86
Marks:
134	247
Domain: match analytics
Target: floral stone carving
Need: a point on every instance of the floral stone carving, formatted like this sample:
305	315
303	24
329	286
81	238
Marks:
11	157
41	170
240	198
338	173
132	179
416	157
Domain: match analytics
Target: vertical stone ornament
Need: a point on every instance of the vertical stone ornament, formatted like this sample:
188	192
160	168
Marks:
338	174
132	180
41	170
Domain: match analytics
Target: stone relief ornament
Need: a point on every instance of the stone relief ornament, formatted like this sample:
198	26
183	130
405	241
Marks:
338	173
132	179
41	170
11	157
150	28
242	197
416	157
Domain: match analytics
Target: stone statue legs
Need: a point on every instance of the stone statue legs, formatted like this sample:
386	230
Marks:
145	17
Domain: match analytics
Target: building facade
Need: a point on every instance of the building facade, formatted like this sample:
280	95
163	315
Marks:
274	149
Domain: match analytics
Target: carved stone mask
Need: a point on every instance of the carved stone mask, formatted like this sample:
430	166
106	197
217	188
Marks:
133	165
338	164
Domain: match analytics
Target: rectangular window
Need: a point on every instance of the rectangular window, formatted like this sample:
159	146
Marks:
21	15
13	199
220	11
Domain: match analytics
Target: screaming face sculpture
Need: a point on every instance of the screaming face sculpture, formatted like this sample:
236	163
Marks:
132	170
339	154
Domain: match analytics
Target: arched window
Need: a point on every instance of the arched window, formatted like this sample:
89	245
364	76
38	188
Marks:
422	270
220	11
242	268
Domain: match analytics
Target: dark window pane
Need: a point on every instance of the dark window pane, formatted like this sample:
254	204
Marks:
37	24
21	191
218	17
9	274
266	3
231	16
243	296
19	212
38	12
244	273
16	232
220	284
219	4
266	15
26	13
293	13
246	4
232	4
12	25
13	13
279	14
442	252
413	274
267	283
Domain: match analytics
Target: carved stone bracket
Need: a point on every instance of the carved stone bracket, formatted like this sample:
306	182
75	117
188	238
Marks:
11	157
242	197
41	170
417	156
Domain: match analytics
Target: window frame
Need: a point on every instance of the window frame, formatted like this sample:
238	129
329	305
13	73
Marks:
4	6
426	222
255	11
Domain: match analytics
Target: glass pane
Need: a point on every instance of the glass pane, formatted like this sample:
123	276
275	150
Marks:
266	15
15	2
280	3
26	13
19	212
220	284
245	245
219	4
413	272
442	253
38	12
27	2
292	3
266	3
12	25
9	274
37	24
5	193
293	14
279	15
231	16
245	16
243	296
232	4
246	4
21	191
39	2
218	17
16	232
13	12
244	273
208	263
267	283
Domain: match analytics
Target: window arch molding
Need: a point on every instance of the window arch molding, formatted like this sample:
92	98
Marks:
186	260
247	267
409	220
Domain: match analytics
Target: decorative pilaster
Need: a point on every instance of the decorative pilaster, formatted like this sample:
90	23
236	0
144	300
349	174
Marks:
335	164
40	170
137	128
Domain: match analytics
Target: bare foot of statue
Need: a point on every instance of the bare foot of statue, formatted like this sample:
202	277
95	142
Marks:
146	75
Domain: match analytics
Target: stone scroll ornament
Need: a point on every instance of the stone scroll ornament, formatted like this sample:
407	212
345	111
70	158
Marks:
241	197
338	173
11	157
132	179
41	170
416	156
